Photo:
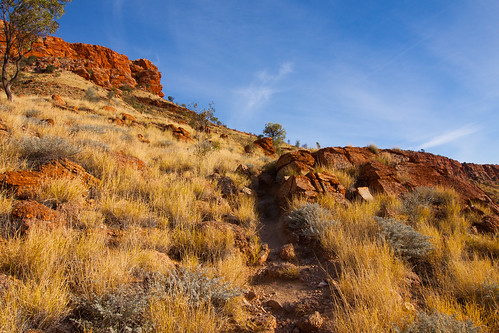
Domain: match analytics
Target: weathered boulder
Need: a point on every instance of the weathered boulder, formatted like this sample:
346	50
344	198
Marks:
333	157
57	100
293	168
128	118
24	184
364	194
125	160
303	157
143	139
287	252
380	178
265	144
311	323
179	133
296	186
26	213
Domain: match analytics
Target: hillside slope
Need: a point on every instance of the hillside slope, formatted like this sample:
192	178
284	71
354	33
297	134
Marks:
120	212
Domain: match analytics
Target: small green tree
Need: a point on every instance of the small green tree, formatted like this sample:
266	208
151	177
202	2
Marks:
24	21
276	132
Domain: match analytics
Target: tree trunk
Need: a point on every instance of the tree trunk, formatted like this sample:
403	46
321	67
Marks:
5	81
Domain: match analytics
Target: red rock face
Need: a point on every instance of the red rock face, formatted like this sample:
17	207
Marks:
390	171
102	66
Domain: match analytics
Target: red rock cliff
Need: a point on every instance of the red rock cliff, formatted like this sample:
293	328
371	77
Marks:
98	64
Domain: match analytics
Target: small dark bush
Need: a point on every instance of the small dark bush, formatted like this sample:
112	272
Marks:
49	69
32	113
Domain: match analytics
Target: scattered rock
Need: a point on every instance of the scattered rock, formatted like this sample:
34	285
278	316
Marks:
179	133
243	170
364	194
250	295
381	178
267	145
287	252
48	121
322	284
117	121
309	187
22	183
263	255
142	139
284	271
63	167
311	323
247	191
264	323
28	212
274	305
224	136
128	118
125	160
296	186
58	101
101	65
109	109
293	168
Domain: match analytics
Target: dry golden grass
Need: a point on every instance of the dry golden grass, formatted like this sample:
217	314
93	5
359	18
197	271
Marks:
134	220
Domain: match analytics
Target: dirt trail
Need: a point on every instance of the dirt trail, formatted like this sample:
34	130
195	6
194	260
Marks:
289	300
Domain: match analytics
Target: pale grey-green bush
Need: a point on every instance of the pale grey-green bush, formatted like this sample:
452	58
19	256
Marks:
309	219
37	151
198	288
406	242
119	311
439	323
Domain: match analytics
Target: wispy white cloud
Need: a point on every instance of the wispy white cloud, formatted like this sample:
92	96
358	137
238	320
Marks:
450	136
261	90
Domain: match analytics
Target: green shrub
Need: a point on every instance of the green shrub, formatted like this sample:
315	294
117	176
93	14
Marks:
405	241
49	69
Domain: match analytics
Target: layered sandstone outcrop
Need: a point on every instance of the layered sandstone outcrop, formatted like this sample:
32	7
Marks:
99	64
387	171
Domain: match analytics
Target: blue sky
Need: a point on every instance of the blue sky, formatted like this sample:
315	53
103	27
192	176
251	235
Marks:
418	74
